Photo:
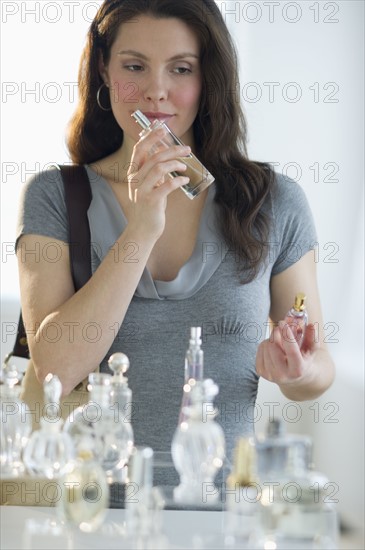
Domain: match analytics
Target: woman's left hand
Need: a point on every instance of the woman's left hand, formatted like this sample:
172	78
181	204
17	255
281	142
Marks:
280	359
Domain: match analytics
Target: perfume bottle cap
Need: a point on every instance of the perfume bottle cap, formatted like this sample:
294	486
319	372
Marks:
195	335
119	364
275	428
299	303
141	119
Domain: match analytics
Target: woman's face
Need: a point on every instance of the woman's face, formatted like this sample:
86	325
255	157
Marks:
154	67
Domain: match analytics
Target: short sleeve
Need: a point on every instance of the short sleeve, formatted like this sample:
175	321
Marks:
42	207
294	227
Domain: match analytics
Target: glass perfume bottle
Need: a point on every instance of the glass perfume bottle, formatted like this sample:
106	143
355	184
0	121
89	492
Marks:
98	420
15	423
49	449
297	318
85	490
121	397
198	447
295	509
200	177
144	502
193	373
282	455
243	493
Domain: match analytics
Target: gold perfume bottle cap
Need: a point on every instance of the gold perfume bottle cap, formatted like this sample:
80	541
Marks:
299	303
243	464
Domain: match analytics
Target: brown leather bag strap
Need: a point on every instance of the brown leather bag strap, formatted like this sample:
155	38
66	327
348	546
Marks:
78	197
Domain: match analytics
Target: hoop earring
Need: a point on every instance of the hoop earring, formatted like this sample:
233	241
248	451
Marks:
98	98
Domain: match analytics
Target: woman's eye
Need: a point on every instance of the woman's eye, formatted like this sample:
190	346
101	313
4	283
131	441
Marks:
133	67
182	70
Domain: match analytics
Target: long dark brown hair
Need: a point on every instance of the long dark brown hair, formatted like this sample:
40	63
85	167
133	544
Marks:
220	129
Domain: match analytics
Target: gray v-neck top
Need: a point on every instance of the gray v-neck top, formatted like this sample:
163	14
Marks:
206	293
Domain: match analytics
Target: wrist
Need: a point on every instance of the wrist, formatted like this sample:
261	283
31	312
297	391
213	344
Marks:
139	237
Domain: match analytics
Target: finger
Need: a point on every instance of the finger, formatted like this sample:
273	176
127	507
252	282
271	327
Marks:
151	147
169	185
137	177
278	361
311	339
142	149
263	365
289	343
158	174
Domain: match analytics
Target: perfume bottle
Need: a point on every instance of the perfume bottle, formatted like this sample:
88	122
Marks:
295	508
121	397
15	423
281	455
243	493
85	490
297	318
193	369
98	420
49	449
144	502
199	176
198	447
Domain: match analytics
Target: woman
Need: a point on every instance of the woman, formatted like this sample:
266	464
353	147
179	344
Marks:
226	261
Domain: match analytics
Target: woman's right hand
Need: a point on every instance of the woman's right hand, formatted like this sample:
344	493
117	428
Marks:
149	183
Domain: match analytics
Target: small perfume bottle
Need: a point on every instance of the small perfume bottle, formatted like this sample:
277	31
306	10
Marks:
297	318
199	176
194	359
198	447
85	490
49	449
15	423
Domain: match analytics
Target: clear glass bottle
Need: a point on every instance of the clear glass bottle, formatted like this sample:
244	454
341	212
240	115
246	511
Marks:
98	421
49	449
194	366
122	405
295	511
282	455
144	502
200	177
15	423
242	493
85	490
297	318
198	447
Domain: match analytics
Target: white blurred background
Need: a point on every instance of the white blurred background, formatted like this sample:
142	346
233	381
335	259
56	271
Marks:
302	87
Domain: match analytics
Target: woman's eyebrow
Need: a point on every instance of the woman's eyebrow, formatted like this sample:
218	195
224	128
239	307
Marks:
173	58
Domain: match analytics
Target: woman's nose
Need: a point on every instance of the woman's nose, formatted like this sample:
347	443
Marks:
155	89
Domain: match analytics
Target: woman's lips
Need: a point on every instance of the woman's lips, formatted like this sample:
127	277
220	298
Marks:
162	117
